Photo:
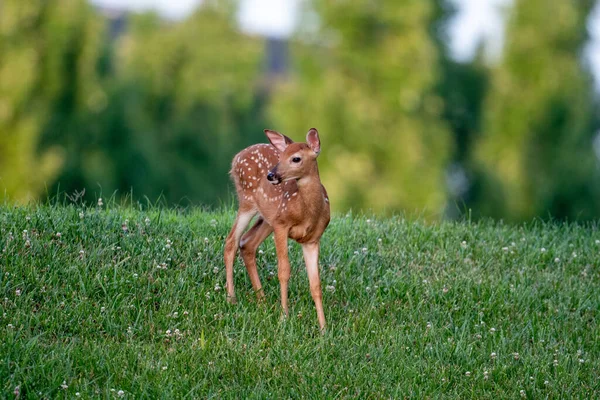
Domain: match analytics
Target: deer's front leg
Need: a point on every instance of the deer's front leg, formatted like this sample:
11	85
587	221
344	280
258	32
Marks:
283	265
311	258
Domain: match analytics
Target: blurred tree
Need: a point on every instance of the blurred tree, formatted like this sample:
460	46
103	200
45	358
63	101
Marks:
45	48
180	102
463	86
536	150
366	79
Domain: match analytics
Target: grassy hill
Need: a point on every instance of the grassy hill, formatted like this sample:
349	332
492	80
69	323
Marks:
118	302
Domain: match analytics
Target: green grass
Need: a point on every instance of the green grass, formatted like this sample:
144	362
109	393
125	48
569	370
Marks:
449	310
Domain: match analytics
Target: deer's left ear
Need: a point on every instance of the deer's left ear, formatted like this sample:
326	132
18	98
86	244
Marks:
312	139
279	141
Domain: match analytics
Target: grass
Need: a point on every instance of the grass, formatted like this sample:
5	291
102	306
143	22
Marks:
130	303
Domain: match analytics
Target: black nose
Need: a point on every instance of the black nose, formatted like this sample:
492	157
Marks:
271	177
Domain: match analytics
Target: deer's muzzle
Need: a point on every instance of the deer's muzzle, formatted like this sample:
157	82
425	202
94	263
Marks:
273	176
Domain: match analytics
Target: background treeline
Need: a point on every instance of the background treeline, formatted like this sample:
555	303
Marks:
136	104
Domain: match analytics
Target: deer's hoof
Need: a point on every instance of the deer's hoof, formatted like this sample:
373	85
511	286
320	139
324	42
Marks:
232	299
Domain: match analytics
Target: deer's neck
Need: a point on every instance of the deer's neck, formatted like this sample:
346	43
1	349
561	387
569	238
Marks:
311	192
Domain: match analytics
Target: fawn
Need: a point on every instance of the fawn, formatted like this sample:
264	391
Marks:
279	182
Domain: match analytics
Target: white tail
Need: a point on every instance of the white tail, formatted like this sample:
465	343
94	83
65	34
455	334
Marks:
279	182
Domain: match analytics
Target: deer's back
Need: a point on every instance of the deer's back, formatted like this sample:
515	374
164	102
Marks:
250	167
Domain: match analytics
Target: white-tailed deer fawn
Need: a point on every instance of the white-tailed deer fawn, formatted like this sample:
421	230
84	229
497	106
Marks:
279	182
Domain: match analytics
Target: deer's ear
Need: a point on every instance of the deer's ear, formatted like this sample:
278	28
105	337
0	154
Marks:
279	141
312	139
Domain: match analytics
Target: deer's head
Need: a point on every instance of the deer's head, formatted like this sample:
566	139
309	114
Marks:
296	160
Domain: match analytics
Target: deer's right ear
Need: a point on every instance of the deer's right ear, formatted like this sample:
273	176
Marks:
279	141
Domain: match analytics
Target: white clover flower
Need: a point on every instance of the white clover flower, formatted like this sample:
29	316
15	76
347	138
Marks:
557	260
505	249
100	203
64	385
102	309
260	252
493	355
543	249
18	292
217	287
330	288
522	392
468	373
205	240
81	215
429	325
120	393
492	330
215	270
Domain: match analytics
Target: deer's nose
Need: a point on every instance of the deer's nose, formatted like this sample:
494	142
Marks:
271	176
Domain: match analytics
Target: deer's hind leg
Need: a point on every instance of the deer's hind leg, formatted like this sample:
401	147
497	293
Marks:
231	245
248	246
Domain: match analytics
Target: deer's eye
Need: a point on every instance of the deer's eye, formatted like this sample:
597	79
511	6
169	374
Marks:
296	159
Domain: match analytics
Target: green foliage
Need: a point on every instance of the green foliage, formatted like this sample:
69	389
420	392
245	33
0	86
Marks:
160	109
47	61
368	85
463	87
179	106
133	300
536	149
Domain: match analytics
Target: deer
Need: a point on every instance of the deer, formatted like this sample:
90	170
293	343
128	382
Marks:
280	183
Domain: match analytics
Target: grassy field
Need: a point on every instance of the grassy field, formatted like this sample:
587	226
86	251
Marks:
125	303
